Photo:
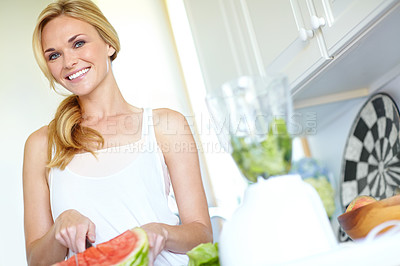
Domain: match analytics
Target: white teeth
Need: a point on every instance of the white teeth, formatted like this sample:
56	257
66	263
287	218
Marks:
78	74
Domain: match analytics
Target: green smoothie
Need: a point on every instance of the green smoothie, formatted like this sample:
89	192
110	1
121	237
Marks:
269	157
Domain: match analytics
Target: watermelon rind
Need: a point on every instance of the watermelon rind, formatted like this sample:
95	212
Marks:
138	256
142	259
139	259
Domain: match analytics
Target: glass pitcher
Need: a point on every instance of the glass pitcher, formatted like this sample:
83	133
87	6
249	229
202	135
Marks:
250	116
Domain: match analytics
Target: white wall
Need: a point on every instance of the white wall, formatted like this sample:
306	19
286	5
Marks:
146	70
147	67
26	104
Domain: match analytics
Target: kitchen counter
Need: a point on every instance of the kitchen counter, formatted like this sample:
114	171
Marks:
383	251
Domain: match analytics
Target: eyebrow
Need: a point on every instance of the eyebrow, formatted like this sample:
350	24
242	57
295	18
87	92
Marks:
49	50
69	41
73	37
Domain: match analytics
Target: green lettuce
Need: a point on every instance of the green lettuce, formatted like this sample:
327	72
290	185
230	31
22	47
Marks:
204	255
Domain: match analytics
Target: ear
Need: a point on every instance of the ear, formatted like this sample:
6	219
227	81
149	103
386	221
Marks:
110	50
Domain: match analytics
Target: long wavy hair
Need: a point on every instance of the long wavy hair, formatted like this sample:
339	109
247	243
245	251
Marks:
66	136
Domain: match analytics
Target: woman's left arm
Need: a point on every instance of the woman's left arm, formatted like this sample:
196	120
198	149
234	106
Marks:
181	156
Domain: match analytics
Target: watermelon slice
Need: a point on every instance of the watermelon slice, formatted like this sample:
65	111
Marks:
129	248
94	256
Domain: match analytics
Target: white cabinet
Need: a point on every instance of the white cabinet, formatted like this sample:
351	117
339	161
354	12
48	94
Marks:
346	20
282	31
362	37
241	37
336	24
213	42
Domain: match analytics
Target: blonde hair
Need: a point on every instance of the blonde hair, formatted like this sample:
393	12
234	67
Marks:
65	133
66	136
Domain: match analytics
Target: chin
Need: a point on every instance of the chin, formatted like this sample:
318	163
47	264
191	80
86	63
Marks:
80	91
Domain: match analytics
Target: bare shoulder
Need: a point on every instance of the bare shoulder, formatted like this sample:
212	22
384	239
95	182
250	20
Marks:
166	113
171	127
35	152
38	140
168	121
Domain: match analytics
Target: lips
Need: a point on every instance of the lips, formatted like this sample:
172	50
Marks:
77	74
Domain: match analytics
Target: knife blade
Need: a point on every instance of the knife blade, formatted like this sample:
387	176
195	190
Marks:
88	243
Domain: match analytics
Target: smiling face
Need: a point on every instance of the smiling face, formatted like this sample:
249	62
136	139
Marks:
76	55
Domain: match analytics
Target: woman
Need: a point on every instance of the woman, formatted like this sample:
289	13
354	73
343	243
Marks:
103	166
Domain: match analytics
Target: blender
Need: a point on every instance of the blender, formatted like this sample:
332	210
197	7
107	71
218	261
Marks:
281	218
250	116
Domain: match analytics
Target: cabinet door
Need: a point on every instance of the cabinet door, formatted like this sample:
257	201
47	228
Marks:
277	26
348	19
247	37
213	42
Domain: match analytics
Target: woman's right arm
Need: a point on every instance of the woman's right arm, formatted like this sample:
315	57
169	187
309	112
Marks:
41	246
47	242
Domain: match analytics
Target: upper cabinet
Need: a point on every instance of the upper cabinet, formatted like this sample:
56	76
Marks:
248	37
342	21
213	41
300	38
284	37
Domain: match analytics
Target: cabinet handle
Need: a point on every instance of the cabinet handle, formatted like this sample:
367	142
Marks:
317	22
305	34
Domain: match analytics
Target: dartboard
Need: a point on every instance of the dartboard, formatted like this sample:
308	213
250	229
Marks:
371	161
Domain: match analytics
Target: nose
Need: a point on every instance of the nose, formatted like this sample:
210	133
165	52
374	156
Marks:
70	60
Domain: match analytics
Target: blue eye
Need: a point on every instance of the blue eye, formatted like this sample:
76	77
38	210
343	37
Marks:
79	44
54	56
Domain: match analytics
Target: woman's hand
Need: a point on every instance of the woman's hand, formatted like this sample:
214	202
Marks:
157	236
71	229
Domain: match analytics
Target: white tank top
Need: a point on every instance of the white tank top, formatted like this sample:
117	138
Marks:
126	186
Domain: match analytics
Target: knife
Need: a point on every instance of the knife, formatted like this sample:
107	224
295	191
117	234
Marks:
88	243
